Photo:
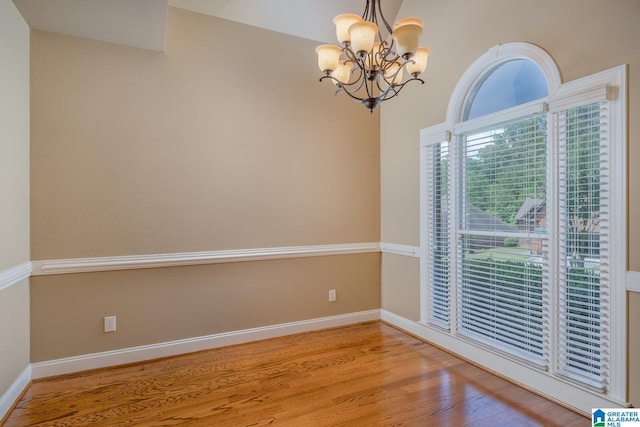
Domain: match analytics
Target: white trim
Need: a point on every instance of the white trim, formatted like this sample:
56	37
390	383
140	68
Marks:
609	85
570	394
633	281
15	390
616	81
84	265
14	275
189	345
397	249
428	136
490	120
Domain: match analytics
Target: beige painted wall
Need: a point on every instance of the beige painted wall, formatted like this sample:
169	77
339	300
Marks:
14	190
165	304
583	36
221	142
400	295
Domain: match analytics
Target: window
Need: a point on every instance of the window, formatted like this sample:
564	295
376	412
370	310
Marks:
512	83
519	219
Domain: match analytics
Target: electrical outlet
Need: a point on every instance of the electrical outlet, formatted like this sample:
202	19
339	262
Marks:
110	324
332	295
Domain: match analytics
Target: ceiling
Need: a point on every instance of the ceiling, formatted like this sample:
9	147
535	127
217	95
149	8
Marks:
142	23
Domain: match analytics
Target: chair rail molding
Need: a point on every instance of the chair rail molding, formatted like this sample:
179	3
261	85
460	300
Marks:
128	262
633	281
15	275
398	249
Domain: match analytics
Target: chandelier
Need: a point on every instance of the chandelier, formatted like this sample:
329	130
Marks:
366	67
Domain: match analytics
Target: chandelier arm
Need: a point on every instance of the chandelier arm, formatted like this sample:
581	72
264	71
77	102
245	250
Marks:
359	81
398	88
388	57
377	4
384	92
389	79
344	87
350	93
359	64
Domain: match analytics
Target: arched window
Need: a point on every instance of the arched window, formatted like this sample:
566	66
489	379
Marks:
523	223
512	83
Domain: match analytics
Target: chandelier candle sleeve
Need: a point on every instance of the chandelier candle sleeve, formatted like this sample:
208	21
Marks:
407	37
342	73
343	22
394	74
363	34
328	57
368	68
419	62
405	21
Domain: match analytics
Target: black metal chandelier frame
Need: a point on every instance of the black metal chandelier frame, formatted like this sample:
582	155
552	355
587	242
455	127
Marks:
373	67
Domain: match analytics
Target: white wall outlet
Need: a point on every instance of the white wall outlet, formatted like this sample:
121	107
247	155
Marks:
332	295
110	324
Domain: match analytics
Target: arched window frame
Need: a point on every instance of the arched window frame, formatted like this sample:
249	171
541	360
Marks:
487	63
609	85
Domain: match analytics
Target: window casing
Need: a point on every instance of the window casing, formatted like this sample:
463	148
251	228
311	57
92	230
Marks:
518	218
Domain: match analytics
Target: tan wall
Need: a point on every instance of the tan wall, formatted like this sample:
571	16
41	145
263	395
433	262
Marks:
165	304
222	142
583	36
400	295
14	190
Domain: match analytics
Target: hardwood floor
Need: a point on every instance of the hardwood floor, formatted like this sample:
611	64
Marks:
367	374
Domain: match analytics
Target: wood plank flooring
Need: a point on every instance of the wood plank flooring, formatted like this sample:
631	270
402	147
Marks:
368	374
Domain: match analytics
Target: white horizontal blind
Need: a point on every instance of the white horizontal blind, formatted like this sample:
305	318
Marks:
502	238
583	244
437	198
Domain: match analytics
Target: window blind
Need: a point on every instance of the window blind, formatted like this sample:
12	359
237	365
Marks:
583	243
437	193
502	238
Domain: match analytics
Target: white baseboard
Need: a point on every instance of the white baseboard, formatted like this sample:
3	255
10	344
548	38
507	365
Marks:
173	348
13	393
569	394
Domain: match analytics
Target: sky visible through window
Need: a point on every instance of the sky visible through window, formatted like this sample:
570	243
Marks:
512	83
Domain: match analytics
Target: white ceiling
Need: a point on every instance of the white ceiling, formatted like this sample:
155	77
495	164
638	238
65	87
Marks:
142	23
